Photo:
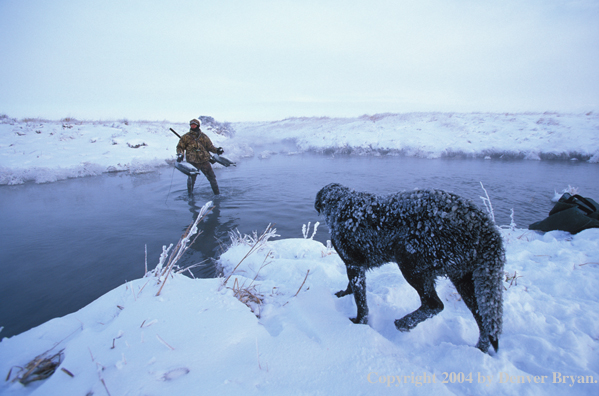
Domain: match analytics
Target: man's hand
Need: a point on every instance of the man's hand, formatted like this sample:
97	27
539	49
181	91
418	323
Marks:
179	157
219	151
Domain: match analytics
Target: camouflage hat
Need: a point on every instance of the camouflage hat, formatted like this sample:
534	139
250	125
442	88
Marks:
195	121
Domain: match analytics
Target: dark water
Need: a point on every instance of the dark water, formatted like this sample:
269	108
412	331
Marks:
64	244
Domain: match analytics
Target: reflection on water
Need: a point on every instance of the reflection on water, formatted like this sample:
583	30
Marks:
64	244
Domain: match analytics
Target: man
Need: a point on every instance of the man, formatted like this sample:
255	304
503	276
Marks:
198	145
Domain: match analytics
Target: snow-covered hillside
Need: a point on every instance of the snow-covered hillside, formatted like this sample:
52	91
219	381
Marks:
46	151
433	135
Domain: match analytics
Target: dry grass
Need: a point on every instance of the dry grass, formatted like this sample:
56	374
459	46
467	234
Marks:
40	368
512	279
487	203
249	294
302	285
162	271
254	242
306	230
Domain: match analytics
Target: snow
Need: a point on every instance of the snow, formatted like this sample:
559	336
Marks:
273	326
46	151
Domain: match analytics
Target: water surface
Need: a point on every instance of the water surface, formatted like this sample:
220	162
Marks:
64	244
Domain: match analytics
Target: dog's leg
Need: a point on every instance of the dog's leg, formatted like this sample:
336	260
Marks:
348	289
357	284
342	293
465	286
424	283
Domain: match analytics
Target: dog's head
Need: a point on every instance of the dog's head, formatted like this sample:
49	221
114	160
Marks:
328	194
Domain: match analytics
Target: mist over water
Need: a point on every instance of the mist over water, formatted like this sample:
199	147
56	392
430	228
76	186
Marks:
64	244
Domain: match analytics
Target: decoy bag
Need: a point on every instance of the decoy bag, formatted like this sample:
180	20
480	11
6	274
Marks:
572	213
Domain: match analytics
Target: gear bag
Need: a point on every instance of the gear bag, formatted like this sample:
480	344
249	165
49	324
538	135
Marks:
572	213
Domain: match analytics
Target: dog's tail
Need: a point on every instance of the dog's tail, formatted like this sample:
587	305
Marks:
488	285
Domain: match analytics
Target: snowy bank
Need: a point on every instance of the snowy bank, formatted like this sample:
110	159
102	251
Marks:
291	335
45	151
434	135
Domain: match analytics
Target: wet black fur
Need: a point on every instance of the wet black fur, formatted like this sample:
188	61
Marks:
428	233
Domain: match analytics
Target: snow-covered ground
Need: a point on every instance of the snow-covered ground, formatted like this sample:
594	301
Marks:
274	326
46	151
198	338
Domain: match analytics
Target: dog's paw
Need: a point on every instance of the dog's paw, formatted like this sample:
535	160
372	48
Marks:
404	325
363	320
484	343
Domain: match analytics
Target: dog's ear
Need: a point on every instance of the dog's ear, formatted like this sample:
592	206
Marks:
318	201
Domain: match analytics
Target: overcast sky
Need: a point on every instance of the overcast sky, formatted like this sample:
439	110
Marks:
245	60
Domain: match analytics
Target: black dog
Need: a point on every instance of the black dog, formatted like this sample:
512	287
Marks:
428	233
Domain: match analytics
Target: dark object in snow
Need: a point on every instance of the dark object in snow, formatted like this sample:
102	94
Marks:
428	233
220	128
221	160
186	168
572	213
40	368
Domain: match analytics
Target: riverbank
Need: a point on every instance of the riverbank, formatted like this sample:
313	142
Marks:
45	151
274	327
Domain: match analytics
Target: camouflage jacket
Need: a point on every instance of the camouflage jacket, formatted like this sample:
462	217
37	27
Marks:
197	144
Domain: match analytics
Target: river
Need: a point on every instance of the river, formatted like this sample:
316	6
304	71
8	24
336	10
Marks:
64	244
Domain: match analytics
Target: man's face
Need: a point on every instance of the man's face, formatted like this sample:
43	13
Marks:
193	126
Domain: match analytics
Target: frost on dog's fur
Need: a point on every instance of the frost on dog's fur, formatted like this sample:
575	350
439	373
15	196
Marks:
428	233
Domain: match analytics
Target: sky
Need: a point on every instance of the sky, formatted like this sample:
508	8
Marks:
266	60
